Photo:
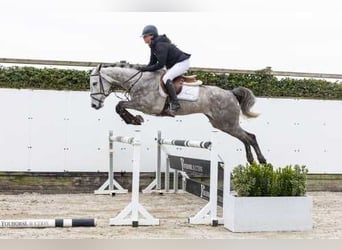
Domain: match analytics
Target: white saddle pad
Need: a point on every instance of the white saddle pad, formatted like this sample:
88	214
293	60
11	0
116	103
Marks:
188	93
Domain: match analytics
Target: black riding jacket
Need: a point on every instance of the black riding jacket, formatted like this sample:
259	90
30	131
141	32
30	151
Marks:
164	53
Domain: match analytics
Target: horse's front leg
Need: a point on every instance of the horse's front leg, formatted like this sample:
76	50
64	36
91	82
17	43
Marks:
121	109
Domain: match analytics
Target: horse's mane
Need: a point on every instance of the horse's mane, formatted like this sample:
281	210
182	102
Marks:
122	64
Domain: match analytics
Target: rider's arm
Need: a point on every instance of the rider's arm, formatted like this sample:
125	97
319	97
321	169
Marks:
160	55
153	59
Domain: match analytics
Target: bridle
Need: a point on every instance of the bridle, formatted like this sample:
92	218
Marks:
102	91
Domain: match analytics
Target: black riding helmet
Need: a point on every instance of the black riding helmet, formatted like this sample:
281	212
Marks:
150	30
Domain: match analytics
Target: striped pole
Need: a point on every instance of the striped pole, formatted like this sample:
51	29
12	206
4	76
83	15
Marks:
186	143
42	223
111	172
158	174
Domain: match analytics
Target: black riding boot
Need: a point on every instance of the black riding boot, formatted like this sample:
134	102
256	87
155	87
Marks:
174	104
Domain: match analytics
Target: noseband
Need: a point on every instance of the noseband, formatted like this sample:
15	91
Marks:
102	90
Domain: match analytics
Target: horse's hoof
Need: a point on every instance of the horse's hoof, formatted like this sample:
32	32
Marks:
137	120
250	159
263	161
140	118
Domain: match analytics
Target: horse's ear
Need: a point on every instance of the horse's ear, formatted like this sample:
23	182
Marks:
98	68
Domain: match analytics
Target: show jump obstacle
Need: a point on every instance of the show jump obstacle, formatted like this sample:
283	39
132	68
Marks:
183	165
208	214
134	213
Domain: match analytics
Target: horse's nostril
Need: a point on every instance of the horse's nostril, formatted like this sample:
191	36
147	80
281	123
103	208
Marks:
93	106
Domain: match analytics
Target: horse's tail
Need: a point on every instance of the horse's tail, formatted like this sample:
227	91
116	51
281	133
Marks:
246	99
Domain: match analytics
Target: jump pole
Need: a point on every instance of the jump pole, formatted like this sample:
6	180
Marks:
130	215
43	223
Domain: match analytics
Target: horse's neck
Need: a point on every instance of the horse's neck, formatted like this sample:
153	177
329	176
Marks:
149	80
125	80
121	77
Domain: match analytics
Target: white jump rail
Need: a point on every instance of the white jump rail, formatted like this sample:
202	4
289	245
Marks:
134	213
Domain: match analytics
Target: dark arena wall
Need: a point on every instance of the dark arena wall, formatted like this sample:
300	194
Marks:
88	182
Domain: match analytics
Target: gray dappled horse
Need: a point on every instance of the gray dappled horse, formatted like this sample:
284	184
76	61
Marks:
222	107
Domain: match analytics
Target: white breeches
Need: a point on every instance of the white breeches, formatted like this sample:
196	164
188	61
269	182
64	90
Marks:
177	70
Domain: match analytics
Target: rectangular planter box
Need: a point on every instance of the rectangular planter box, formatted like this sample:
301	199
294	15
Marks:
257	214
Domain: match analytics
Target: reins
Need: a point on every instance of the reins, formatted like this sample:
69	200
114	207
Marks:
133	84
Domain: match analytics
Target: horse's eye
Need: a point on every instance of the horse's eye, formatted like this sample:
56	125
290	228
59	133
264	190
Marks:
94	83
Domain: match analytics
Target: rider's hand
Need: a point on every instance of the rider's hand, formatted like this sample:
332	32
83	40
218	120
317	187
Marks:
142	69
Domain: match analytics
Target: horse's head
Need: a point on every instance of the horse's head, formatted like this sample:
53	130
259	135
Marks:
104	79
99	88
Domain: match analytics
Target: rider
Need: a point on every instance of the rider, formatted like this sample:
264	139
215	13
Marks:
165	53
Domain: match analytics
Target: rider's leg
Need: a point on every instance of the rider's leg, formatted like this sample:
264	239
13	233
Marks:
177	70
174	104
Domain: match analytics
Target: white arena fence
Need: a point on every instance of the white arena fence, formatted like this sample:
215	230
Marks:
41	125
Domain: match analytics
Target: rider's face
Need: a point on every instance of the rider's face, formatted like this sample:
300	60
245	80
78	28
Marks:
148	39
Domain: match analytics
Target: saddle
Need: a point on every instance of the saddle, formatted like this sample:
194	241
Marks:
179	81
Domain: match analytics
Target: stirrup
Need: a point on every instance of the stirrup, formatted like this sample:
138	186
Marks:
174	106
171	110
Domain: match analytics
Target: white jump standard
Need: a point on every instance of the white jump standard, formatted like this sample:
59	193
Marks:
134	213
111	186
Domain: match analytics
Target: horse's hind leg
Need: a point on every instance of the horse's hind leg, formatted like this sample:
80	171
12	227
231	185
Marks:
257	150
249	154
244	137
248	140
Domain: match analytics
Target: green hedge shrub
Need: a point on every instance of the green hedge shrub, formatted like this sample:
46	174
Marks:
263	180
43	78
262	83
266	85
